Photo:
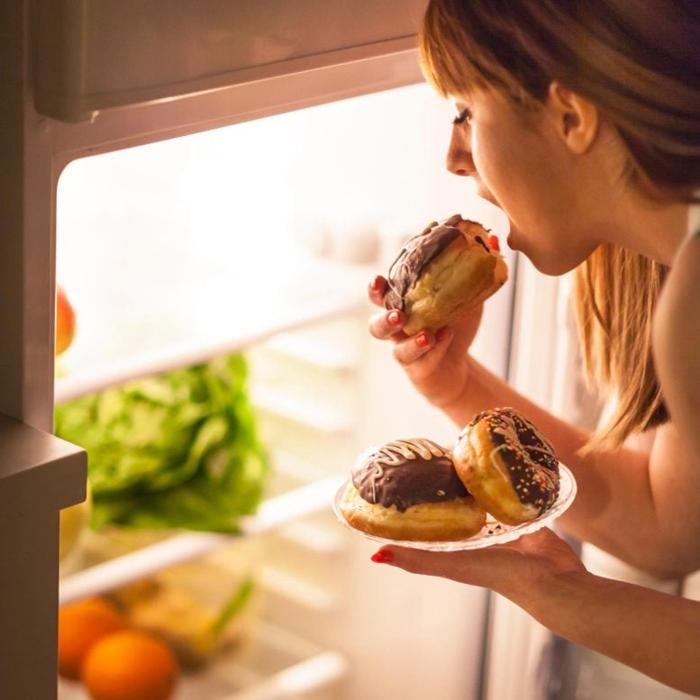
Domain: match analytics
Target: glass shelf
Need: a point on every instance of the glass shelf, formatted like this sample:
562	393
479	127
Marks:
180	548
275	665
202	333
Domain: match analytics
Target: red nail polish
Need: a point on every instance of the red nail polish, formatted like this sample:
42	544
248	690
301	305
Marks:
394	318
422	340
383	556
493	242
375	283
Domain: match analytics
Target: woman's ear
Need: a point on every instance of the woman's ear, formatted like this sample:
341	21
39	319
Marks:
575	119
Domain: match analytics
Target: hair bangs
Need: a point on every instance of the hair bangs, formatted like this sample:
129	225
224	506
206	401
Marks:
448	58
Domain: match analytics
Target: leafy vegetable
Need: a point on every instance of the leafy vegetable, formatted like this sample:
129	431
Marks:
179	450
233	606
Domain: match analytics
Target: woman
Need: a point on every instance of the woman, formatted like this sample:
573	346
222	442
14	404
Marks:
581	121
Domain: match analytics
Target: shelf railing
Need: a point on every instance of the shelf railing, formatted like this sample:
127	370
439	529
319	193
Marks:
191	352
273	513
299	680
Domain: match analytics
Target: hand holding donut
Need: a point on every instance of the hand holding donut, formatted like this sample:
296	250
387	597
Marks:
436	363
433	296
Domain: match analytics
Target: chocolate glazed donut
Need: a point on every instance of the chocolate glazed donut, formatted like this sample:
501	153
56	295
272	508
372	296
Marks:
508	466
409	490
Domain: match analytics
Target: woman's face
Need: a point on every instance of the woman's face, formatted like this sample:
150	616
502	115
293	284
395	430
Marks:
521	164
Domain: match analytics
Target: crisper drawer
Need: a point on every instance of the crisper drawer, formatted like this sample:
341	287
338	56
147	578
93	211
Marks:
96	54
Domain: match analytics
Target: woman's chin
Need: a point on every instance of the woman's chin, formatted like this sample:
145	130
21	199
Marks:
546	263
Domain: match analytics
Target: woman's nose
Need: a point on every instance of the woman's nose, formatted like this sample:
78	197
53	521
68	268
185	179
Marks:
459	157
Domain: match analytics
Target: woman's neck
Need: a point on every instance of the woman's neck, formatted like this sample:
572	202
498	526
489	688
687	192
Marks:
650	227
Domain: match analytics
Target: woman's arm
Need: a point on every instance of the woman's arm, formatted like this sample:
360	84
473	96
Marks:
641	508
655	633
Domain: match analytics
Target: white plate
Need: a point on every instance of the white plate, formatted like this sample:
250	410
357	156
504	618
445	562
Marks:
492	533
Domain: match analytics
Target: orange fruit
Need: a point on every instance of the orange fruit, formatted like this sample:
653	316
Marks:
65	322
80	625
130	665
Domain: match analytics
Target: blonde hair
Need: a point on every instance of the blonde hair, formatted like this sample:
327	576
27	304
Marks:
639	63
615	293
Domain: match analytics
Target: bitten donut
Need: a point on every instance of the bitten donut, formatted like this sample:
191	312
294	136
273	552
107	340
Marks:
441	272
409	490
508	466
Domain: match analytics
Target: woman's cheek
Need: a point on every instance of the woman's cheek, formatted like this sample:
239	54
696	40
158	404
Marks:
492	158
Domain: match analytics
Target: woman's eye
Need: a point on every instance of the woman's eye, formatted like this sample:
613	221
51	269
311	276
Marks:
464	116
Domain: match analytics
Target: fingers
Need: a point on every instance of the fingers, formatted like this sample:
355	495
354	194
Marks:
425	346
377	289
490	567
387	324
512	569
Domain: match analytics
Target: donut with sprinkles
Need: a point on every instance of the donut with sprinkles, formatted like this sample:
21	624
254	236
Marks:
509	467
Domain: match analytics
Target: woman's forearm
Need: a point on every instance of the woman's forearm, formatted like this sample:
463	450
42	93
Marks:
615	507
484	389
655	633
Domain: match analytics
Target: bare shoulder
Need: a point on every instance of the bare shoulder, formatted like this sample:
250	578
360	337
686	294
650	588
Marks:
680	300
676	341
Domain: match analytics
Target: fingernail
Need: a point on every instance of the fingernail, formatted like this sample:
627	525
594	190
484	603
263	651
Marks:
422	340
394	318
375	283
493	242
383	556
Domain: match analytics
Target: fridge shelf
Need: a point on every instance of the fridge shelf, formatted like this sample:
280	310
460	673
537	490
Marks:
313	537
296	589
178	549
295	682
332	347
278	665
293	467
185	353
315	412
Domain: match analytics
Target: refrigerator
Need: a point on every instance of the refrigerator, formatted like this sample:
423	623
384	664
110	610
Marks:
214	178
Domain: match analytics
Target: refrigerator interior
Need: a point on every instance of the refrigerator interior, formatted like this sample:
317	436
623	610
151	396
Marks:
260	238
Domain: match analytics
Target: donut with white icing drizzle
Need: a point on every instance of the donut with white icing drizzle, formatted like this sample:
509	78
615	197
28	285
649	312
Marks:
409	490
508	466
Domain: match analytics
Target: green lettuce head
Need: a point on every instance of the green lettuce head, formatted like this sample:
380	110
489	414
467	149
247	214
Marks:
179	450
